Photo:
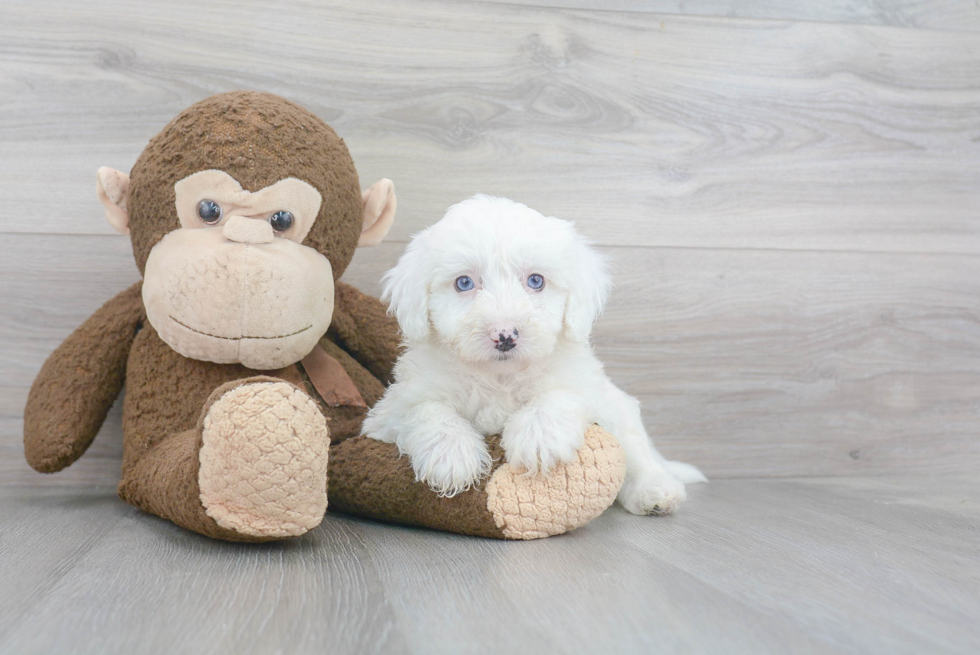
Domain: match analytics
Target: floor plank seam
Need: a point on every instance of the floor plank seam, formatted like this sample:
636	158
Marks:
623	246
719	17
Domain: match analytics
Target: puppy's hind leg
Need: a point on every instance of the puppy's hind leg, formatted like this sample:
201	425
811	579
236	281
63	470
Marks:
650	487
653	485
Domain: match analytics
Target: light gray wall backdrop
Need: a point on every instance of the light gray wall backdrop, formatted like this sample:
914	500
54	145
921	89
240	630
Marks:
790	194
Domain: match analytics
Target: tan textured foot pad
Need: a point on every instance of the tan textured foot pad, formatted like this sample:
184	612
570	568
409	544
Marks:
532	507
264	461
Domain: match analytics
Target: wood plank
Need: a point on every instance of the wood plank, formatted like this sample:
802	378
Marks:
46	532
843	565
586	592
748	362
778	364
151	587
676	131
955	15
885	565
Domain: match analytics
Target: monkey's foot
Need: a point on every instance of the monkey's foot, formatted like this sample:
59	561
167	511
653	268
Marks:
571	495
370	478
263	461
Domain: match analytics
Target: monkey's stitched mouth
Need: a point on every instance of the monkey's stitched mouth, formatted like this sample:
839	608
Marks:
207	334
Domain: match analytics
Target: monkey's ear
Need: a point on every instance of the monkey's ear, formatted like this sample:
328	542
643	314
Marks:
112	187
379	205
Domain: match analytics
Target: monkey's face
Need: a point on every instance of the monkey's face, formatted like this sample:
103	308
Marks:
241	212
234	284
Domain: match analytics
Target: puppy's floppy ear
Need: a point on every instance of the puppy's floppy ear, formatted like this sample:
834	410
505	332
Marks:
588	289
406	289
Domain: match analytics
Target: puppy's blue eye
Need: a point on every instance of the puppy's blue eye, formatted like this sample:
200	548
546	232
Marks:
535	281
464	283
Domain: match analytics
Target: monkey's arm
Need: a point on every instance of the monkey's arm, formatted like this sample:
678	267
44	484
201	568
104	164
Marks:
362	327
79	382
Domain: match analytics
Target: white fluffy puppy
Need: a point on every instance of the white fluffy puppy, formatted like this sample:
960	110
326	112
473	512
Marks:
496	304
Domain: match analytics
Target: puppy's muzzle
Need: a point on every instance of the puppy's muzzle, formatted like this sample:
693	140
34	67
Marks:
504	338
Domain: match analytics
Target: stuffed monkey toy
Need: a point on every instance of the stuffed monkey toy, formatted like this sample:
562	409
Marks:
244	357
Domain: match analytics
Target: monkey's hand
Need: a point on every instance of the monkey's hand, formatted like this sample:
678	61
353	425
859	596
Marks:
78	383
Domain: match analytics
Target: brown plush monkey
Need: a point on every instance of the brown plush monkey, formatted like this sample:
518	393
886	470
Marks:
243	355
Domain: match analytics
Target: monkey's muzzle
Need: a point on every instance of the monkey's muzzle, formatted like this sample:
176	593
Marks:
261	305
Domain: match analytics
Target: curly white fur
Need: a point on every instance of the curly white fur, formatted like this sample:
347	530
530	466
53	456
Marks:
457	382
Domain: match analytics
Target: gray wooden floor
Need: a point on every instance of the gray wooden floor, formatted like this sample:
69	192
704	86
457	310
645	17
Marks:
813	565
790	194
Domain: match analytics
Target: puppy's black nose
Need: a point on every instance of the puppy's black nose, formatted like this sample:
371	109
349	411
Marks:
505	344
504	339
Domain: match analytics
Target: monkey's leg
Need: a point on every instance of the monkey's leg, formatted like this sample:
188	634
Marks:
254	468
369	478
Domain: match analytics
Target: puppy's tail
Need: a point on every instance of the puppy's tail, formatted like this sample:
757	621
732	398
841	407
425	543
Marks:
685	472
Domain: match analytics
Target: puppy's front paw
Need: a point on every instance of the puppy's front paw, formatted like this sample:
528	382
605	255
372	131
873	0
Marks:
538	443
451	463
652	493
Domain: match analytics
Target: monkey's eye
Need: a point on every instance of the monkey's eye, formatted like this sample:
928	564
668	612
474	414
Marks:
464	283
535	281
281	221
209	211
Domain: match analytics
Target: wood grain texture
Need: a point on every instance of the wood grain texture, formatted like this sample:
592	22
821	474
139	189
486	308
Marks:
149	586
956	15
680	131
859	565
45	533
747	362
